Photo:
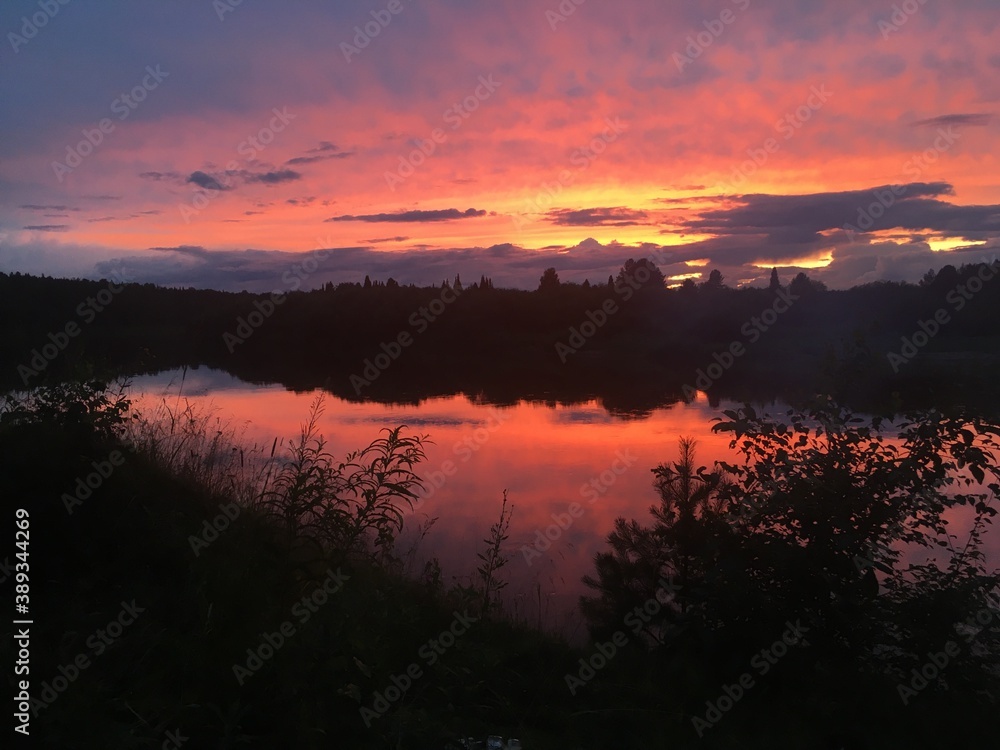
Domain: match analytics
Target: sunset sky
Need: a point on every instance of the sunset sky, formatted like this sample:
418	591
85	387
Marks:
498	138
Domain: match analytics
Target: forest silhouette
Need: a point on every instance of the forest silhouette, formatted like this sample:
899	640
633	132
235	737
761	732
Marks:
878	347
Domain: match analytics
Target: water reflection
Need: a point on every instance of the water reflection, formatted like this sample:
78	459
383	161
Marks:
569	472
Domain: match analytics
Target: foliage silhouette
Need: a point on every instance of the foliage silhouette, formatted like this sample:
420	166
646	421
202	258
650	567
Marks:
831	521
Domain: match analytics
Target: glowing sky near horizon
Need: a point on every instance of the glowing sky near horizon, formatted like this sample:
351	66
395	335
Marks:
733	134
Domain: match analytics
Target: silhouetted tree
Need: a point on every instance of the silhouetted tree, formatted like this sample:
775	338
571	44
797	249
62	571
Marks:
822	521
458	283
715	280
947	277
775	284
549	280
368	282
642	273
802	284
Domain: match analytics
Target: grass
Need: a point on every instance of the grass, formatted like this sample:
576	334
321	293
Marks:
303	514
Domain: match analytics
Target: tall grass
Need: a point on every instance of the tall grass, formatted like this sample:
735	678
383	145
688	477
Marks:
195	444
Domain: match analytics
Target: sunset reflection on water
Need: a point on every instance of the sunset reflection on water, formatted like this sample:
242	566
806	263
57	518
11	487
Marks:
547	456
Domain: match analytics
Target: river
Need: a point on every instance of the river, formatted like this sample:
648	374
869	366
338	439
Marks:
569	471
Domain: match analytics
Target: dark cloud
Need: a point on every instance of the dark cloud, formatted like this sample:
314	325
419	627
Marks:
800	218
978	119
275	177
206	181
37	207
446	214
379	240
320	157
48	227
258	270
618	216
323	151
193	250
137	215
160	176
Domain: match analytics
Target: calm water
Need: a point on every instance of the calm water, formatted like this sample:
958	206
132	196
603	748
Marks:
546	456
